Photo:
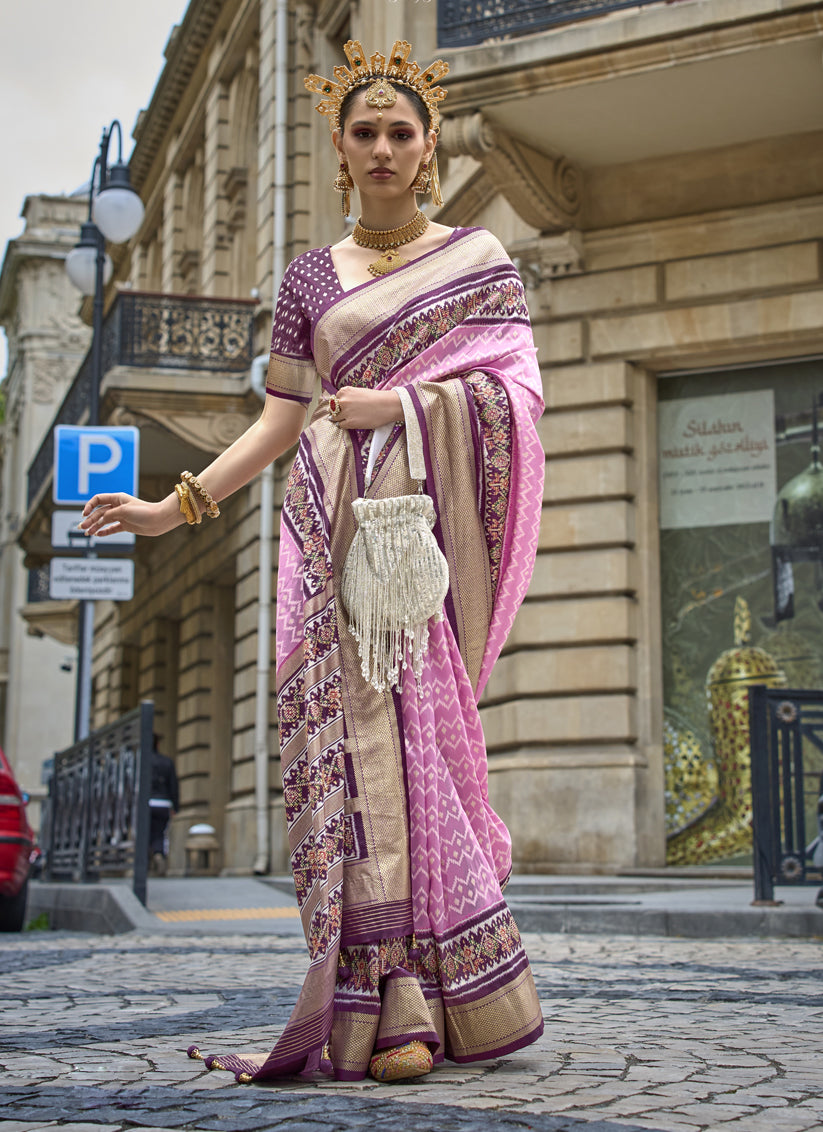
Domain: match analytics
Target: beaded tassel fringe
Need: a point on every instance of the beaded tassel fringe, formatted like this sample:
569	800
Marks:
394	580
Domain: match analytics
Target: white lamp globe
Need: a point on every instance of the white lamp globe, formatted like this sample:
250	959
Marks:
118	210
81	262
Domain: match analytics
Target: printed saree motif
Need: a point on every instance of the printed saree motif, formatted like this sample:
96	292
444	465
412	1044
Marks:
399	860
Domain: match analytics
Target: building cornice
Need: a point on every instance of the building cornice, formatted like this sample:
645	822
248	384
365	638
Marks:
183	52
186	137
602	49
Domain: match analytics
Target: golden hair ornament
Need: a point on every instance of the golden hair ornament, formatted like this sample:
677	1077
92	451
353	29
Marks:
380	95
396	70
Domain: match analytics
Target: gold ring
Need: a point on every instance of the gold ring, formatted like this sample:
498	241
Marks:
334	407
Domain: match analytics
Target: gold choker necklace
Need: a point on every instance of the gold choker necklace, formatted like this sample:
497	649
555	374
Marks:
388	240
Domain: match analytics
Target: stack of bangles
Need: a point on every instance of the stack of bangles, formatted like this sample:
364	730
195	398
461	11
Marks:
189	507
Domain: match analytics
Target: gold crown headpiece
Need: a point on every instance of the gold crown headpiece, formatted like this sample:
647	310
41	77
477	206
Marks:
364	71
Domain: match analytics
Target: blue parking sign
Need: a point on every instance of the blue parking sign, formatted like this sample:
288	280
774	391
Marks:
90	460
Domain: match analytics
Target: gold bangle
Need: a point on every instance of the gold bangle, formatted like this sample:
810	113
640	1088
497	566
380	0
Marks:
211	506
212	510
188	504
185	504
188	510
195	506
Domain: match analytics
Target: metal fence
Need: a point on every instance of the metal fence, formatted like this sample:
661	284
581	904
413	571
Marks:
145	330
461	23
98	806
787	787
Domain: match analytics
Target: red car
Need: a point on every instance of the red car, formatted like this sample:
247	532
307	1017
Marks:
16	845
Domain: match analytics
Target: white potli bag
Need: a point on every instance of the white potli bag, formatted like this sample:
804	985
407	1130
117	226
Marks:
395	576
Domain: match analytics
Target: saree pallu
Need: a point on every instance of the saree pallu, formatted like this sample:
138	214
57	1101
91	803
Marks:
398	858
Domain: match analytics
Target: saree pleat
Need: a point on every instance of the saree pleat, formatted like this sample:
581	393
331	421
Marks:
398	857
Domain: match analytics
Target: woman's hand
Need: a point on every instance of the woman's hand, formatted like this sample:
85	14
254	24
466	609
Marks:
272	434
366	408
110	514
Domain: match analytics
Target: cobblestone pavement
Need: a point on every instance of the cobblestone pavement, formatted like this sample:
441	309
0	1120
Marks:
646	1033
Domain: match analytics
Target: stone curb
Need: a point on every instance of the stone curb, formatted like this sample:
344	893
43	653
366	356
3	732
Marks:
106	909
694	923
538	904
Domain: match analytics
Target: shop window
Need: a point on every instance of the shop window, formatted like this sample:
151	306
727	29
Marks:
742	587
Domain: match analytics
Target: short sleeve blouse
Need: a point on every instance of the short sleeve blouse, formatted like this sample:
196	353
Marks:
291	372
307	288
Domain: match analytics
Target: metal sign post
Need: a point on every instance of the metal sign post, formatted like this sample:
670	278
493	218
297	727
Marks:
115	213
88	460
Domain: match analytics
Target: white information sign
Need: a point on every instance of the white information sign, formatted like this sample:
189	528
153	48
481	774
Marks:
717	460
65	533
91	579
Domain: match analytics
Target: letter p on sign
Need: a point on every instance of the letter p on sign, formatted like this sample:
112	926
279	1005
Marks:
90	461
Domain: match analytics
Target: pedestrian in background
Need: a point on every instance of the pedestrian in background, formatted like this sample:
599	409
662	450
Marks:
164	802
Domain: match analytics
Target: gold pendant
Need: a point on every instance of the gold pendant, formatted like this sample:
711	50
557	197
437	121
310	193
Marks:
389	260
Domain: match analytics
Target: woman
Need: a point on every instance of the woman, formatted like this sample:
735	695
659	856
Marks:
398	858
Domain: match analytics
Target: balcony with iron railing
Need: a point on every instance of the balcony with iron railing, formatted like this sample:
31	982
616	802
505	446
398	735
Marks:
463	23
144	330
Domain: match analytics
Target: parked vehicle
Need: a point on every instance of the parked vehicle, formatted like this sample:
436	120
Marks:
16	849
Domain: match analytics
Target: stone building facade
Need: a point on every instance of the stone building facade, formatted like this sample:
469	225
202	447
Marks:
656	172
46	342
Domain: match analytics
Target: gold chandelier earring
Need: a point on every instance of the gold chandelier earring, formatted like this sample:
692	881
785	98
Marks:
344	184
428	180
421	182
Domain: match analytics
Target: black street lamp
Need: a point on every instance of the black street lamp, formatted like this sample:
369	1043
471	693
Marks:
115	214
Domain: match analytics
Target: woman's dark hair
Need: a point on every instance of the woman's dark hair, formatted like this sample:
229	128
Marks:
420	108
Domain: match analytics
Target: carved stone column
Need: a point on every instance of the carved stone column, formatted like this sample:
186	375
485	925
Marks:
157	676
173	221
215	264
204	710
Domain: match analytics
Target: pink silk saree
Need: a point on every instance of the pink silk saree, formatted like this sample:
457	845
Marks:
398	858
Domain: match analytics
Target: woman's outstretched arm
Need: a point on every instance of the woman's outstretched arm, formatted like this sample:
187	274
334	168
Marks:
276	430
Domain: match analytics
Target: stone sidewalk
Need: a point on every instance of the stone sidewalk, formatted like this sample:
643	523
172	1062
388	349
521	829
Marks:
667	904
654	1033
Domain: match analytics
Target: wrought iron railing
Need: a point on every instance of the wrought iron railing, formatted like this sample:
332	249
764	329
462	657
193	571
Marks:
158	331
787	787
176	332
461	23
98	806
